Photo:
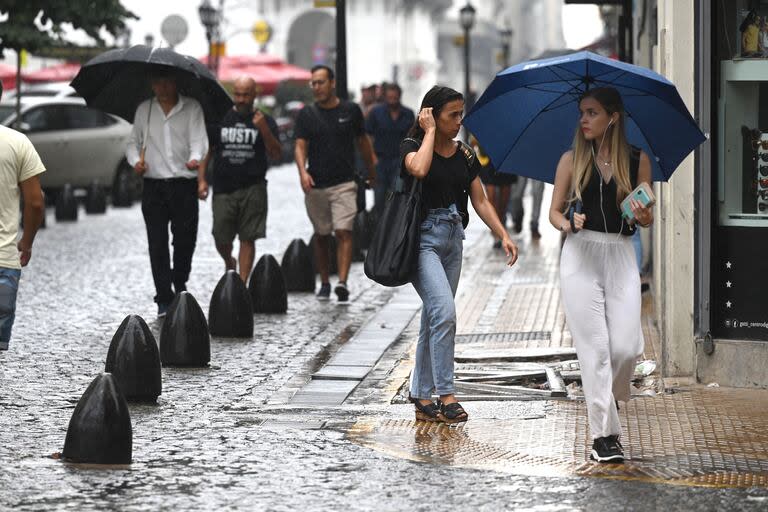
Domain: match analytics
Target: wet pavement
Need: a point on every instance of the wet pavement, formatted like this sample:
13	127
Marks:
223	437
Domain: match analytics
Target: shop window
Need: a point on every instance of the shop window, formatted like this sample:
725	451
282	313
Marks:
742	51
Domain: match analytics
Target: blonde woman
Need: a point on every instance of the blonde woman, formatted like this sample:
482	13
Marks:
598	274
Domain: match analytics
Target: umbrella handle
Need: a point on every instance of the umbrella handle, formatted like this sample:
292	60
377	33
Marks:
575	208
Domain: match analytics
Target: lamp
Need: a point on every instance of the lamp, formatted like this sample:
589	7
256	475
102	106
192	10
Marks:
209	17
467	17
467	21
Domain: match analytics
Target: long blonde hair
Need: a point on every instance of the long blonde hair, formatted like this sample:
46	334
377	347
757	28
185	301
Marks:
583	150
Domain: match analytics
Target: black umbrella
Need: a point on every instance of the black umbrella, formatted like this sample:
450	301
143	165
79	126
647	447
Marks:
117	81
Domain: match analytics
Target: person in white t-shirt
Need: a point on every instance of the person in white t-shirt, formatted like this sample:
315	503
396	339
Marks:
166	146
20	167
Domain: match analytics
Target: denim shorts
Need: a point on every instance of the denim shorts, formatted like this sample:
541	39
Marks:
9	286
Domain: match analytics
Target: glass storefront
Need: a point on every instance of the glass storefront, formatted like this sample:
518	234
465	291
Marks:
739	278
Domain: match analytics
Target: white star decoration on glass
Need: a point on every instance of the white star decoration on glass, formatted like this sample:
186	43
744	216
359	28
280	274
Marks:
728	284
727	264
728	304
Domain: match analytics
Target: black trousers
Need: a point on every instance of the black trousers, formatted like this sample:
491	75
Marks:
173	201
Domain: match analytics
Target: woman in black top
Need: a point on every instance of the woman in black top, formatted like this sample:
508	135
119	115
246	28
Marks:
599	282
449	173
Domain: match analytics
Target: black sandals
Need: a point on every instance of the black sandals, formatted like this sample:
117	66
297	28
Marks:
452	413
426	412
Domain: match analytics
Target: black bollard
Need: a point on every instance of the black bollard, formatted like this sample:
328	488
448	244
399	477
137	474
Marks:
230	314
267	287
297	266
123	188
134	360
332	262
96	200
66	205
184	339
100	431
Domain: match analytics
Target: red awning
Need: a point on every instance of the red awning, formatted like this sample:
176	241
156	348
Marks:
59	73
8	76
267	70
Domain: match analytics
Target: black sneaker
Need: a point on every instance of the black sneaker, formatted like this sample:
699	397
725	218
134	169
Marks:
342	293
325	292
607	449
162	309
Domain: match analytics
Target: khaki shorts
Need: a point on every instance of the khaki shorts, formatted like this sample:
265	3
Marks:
242	213
333	208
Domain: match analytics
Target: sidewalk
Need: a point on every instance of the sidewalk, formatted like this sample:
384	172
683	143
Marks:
693	436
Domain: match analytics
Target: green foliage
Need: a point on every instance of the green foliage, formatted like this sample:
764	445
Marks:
20	31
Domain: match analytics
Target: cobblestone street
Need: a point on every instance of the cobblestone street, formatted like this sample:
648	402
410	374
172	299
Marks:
217	439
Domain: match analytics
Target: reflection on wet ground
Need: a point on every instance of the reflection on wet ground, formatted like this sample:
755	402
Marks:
211	442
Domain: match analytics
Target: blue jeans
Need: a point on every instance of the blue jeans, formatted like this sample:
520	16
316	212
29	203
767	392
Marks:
9	285
436	279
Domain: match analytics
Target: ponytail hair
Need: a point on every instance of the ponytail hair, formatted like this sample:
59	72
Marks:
436	99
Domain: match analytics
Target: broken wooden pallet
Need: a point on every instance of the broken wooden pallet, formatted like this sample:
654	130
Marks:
509	355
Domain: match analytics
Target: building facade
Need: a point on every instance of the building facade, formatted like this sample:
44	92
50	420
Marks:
386	41
711	234
535	26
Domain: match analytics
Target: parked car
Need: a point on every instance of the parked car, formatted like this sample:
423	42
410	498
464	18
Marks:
287	138
45	90
77	144
286	123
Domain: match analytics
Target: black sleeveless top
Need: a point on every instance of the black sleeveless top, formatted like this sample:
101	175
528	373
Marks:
613	222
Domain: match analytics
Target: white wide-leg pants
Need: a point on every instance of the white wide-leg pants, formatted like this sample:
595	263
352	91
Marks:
600	288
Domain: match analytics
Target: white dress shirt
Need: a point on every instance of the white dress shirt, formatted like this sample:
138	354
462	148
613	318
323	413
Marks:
172	140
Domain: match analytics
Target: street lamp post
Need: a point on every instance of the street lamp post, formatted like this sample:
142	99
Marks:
467	21
506	42
342	90
209	17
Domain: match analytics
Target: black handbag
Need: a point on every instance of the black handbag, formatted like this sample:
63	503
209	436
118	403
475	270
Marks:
394	250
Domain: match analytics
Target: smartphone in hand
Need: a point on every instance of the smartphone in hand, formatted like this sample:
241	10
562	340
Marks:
643	193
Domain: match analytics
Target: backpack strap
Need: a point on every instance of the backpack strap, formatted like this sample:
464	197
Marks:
469	153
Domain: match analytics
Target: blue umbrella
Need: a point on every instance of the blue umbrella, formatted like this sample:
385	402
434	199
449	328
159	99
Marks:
527	117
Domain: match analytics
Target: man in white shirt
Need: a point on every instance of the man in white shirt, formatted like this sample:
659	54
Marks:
20	166
167	143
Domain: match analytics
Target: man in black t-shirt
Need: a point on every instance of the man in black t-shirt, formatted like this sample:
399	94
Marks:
241	143
326	134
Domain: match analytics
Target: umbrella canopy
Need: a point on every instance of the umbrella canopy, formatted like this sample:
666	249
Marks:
267	70
527	117
59	73
117	81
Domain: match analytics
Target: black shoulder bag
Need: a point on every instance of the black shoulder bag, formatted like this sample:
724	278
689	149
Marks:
394	250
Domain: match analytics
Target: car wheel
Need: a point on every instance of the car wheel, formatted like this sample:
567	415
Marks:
127	186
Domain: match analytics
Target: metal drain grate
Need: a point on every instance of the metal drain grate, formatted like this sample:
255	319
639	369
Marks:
504	337
701	438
